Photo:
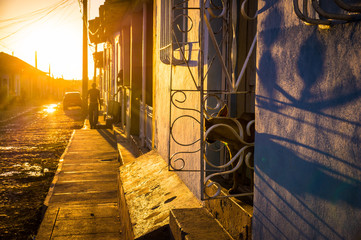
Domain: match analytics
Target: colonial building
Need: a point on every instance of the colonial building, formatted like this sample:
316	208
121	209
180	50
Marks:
125	64
19	81
256	108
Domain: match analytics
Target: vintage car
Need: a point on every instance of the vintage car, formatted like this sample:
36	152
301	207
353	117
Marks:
72	99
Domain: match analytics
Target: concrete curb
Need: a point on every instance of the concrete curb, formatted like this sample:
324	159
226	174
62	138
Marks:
196	223
148	191
56	177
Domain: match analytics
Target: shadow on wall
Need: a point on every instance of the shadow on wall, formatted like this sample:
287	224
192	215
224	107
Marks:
307	176
310	66
307	157
282	168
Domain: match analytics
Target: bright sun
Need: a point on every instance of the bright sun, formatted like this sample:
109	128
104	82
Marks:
57	45
56	37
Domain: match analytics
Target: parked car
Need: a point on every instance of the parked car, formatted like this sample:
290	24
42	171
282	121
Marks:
72	99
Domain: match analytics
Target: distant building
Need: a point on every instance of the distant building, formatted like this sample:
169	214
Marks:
21	81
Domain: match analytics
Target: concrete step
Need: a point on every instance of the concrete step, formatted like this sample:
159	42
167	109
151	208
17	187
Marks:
195	224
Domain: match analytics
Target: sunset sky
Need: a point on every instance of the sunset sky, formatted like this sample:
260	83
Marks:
53	28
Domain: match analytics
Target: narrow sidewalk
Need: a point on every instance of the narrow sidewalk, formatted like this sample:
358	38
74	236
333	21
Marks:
82	201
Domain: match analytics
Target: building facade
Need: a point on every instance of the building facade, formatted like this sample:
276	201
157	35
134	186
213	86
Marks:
243	92
307	164
21	82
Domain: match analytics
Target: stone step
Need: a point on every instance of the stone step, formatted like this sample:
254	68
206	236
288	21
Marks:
195	224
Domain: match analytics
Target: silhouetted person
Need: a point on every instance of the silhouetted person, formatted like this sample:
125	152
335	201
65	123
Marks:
94	101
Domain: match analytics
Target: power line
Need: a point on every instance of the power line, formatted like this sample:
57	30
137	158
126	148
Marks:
86	22
50	10
44	11
31	15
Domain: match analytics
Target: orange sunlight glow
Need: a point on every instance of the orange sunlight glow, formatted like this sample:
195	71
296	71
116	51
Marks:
60	47
50	108
55	37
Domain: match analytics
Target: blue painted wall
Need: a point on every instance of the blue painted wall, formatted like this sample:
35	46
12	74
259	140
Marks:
308	123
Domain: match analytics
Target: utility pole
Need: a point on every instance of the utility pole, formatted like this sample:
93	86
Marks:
95	63
36	59
85	56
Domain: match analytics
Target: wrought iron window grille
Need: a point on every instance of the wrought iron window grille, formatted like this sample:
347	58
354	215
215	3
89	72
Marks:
175	24
218	26
324	18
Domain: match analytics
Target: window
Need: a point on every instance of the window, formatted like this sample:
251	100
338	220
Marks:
173	31
165	32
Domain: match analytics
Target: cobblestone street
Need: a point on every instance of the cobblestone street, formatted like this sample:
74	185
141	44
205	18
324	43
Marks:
31	143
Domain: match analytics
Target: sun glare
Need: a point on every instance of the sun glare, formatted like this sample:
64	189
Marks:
50	108
56	35
58	48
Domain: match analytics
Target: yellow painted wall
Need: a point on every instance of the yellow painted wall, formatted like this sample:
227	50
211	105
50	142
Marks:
185	130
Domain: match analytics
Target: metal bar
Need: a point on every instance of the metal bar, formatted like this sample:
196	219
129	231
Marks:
214	57
184	58
209	66
200	77
212	91
181	159
244	14
228	196
328	15
245	63
218	51
181	101
180	3
305	8
308	20
188	43
170	103
170	117
165	47
188	8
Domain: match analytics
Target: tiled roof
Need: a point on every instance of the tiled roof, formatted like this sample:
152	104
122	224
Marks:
11	64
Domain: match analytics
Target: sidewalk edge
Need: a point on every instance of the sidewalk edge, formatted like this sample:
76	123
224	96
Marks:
56	175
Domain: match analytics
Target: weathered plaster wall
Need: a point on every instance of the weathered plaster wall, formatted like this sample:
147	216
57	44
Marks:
161	77
185	130
308	122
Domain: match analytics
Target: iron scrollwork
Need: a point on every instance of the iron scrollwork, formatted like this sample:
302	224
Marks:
346	13
177	162
236	136
220	29
232	134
